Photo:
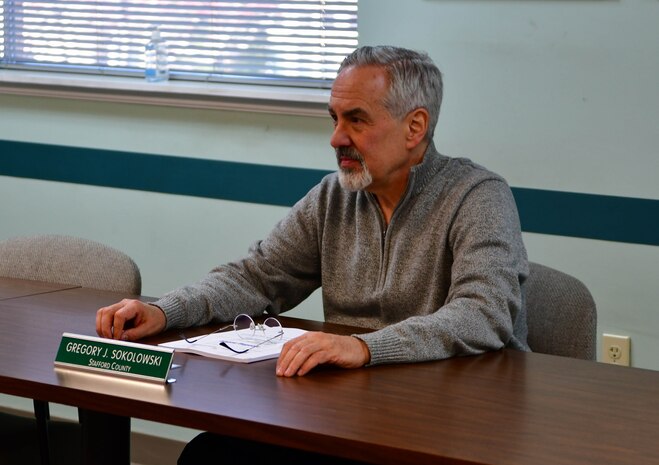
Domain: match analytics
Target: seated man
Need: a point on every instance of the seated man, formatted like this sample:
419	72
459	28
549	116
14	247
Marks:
424	249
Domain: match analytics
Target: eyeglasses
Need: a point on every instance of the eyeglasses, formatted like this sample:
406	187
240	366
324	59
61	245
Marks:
252	334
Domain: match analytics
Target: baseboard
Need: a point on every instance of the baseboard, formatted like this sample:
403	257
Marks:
145	449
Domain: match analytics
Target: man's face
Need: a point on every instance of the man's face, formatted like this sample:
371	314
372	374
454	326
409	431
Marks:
369	142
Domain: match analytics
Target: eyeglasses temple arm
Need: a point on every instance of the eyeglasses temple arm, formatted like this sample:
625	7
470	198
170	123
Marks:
192	341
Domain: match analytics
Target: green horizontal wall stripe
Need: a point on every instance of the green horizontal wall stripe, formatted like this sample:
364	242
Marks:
620	219
156	173
605	217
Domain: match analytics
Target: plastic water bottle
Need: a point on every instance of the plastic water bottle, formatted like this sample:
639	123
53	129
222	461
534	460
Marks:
155	59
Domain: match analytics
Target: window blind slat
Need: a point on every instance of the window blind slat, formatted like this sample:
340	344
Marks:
303	40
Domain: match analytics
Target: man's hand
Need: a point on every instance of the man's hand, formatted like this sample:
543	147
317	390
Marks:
129	320
301	354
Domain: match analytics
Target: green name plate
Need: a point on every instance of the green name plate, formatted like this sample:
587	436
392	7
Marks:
119	358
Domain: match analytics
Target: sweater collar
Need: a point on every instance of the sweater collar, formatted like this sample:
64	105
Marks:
424	172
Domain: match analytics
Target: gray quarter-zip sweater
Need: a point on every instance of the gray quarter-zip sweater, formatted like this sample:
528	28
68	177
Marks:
443	279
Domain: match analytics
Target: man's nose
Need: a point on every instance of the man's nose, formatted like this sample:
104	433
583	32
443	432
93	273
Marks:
339	137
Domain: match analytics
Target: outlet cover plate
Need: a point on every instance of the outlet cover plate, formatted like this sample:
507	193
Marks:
616	349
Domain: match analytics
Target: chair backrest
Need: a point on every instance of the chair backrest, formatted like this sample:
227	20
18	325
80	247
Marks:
561	314
69	260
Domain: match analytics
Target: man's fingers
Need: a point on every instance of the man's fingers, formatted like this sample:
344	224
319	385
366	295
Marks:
100	314
121	316
302	354
293	355
311	362
111	321
105	319
124	314
148	320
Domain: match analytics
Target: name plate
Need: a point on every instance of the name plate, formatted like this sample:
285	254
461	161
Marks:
119	358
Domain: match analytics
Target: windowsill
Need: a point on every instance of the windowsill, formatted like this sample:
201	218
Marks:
189	94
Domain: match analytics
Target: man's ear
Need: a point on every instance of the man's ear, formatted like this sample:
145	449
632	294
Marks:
417	126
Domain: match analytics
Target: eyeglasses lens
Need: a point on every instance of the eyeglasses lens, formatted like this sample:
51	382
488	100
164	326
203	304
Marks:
272	328
242	323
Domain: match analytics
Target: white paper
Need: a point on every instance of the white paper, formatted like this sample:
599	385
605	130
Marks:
209	346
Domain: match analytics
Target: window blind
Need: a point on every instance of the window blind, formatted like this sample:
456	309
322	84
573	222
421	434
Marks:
296	42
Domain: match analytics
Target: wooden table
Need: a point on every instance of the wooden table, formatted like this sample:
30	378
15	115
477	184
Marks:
501	408
11	288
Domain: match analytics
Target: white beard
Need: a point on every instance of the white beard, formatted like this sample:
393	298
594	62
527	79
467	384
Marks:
355	180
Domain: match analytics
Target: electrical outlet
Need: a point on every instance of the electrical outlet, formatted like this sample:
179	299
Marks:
616	349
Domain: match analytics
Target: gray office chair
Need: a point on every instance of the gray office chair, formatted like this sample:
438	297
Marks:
561	314
69	260
63	260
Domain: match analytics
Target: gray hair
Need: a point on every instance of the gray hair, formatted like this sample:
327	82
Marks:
414	80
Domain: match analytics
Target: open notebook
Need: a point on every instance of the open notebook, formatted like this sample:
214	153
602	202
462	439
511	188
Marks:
209	346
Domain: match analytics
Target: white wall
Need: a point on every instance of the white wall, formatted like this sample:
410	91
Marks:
559	95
